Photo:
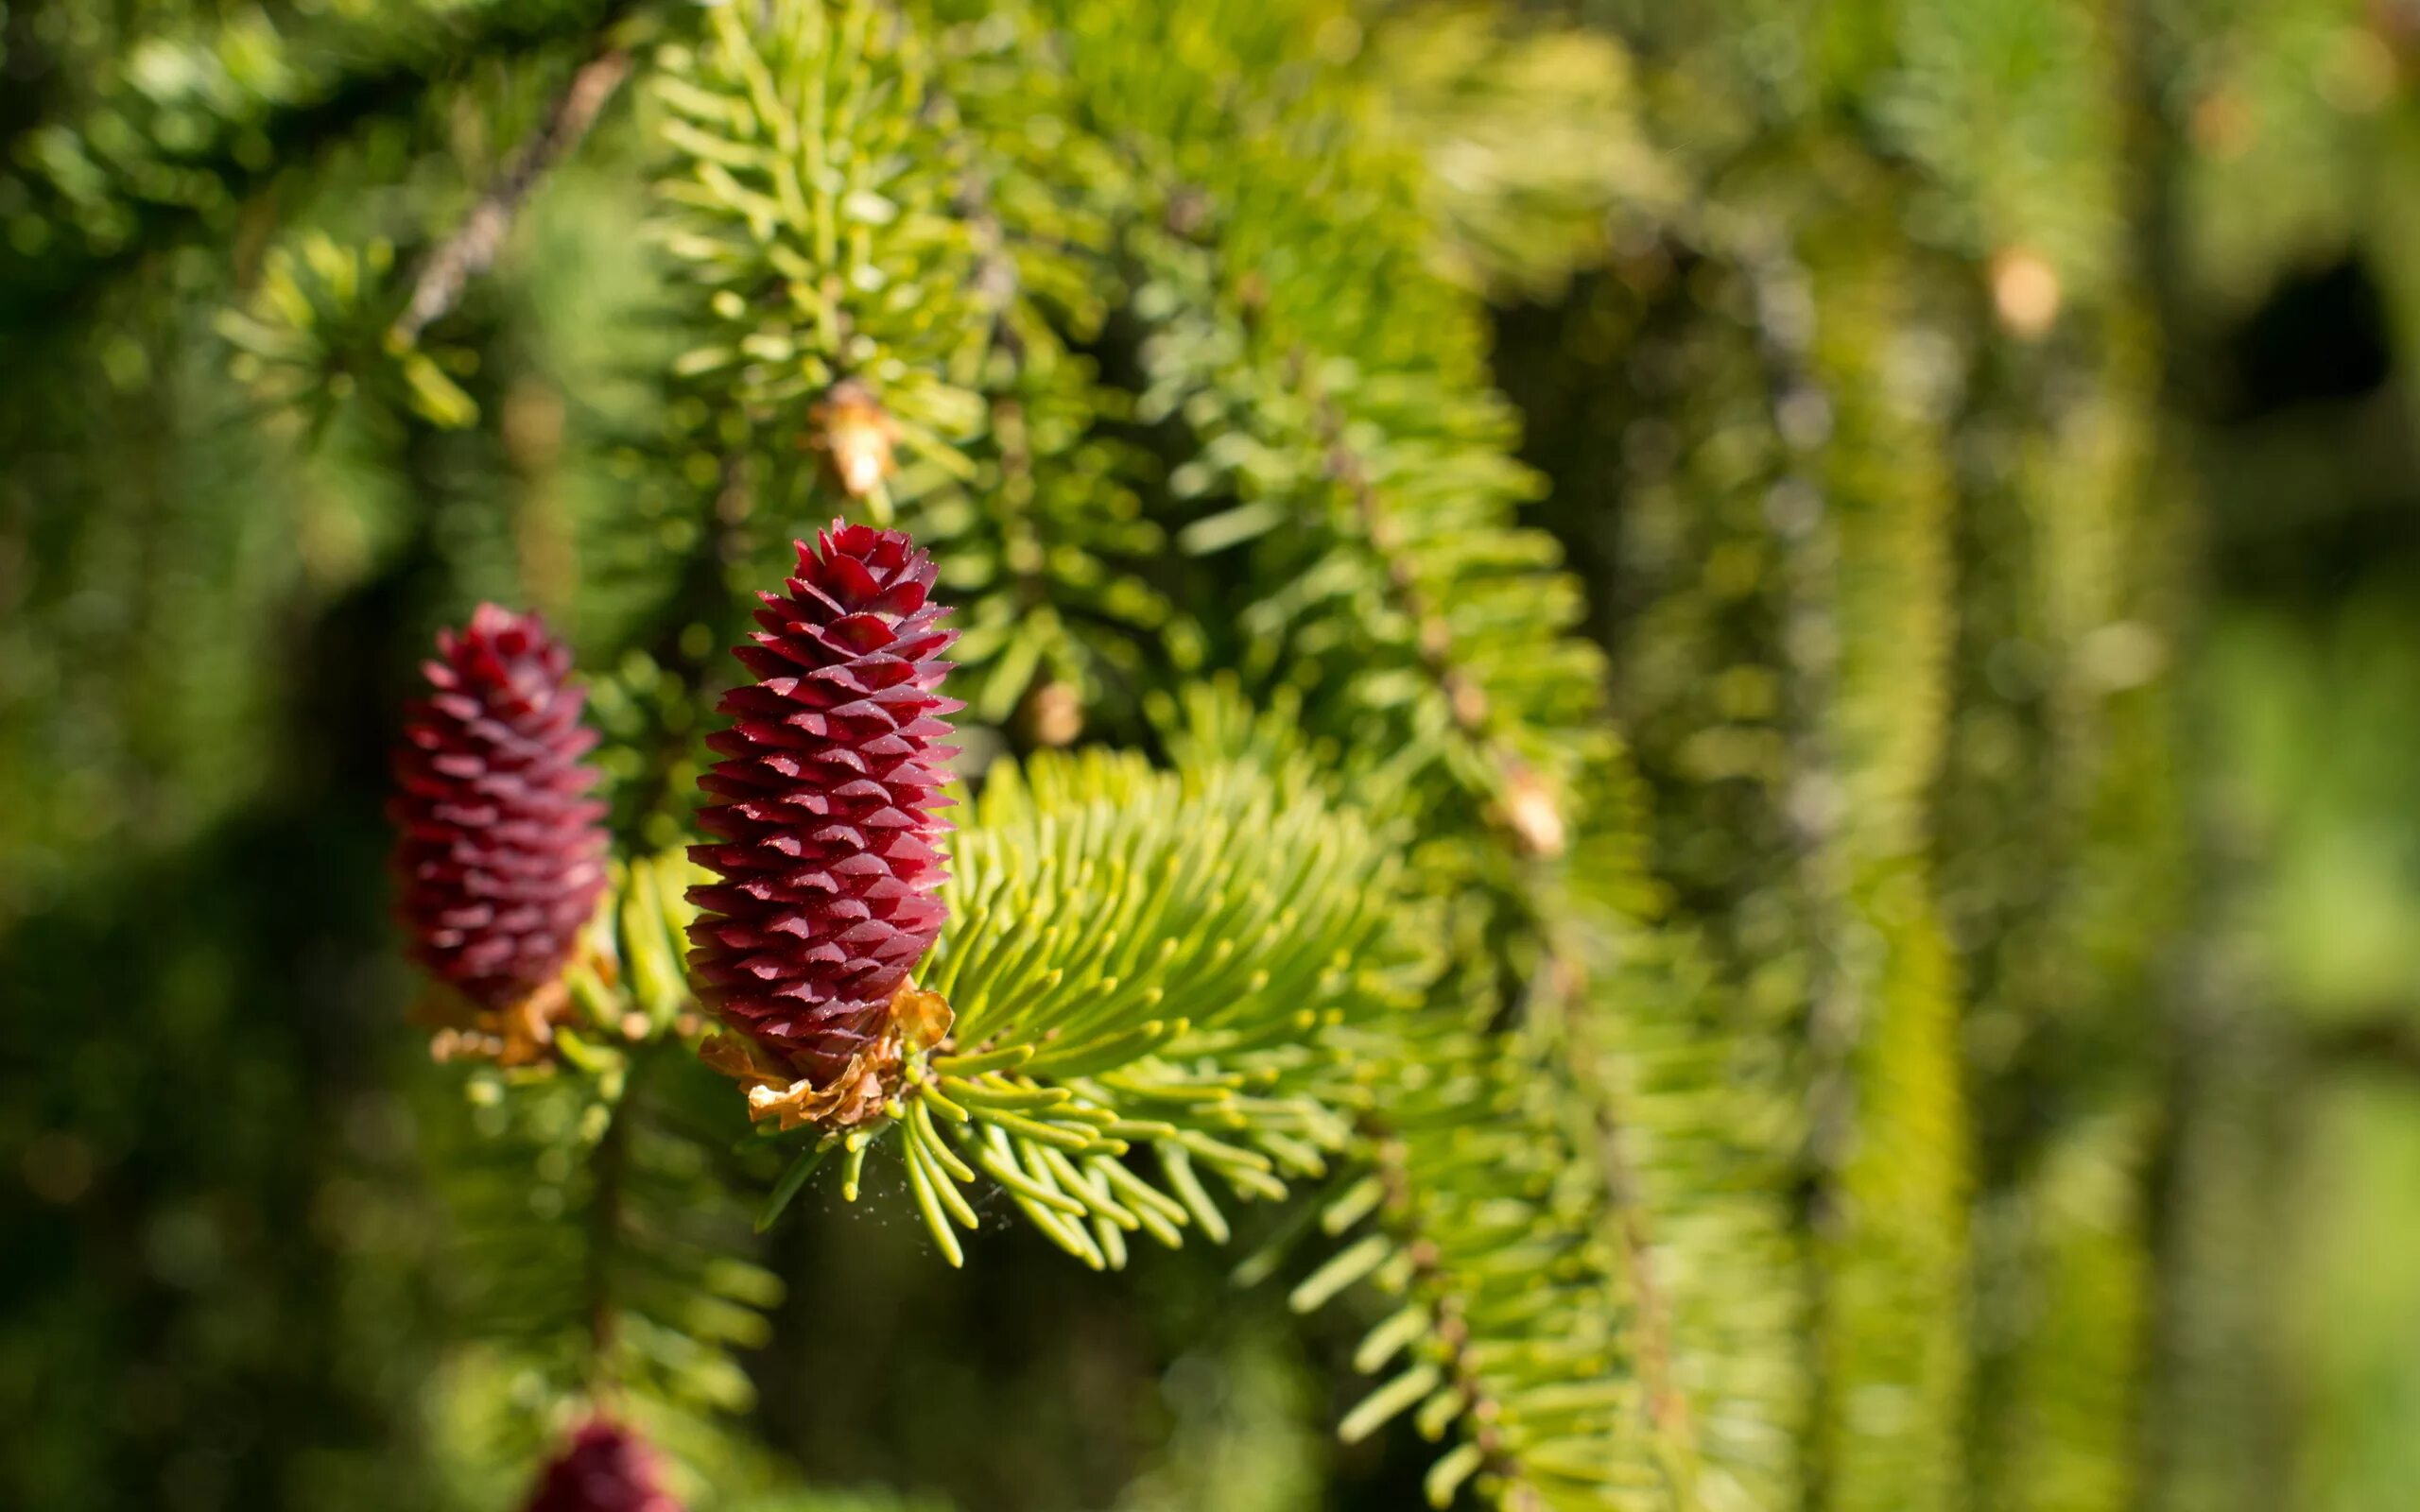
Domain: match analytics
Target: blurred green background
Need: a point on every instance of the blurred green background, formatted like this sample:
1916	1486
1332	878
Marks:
218	1285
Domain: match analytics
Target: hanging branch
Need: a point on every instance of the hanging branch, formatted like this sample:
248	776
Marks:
1526	812
1530	825
1865	527
1800	410
1461	1371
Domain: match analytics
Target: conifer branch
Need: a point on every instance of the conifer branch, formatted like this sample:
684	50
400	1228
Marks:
1529	823
1467	713
1430	1280
597	1240
1867	650
1668	1406
1801	412
1523	807
110	196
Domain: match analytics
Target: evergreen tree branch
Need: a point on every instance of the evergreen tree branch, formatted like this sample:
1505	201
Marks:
1887	1138
1523	807
1341	467
108	198
1462	1370
812	334
1667	1407
1507	1325
596	1240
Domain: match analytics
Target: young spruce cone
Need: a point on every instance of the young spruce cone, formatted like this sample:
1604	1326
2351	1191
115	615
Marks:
604	1469
501	856
829	781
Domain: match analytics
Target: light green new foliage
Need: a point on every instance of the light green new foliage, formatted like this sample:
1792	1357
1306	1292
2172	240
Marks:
1140	959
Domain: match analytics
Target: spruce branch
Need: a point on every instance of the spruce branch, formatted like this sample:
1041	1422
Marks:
1430	1280
1225	323
1490	1233
137	169
1062	616
1667	1407
1221	339
1682	1129
1523	806
1865	542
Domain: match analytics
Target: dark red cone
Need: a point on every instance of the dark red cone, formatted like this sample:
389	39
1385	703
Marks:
830	779
604	1469
501	855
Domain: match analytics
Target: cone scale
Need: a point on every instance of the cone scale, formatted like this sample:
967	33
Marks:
826	829
499	851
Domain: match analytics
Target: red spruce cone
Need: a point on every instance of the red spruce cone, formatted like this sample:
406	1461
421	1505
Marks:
501	857
604	1469
830	779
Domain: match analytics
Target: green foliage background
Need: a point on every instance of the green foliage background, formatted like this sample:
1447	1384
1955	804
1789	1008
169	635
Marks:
1780	638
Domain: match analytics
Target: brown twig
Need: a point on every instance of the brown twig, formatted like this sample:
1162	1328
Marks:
473	247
